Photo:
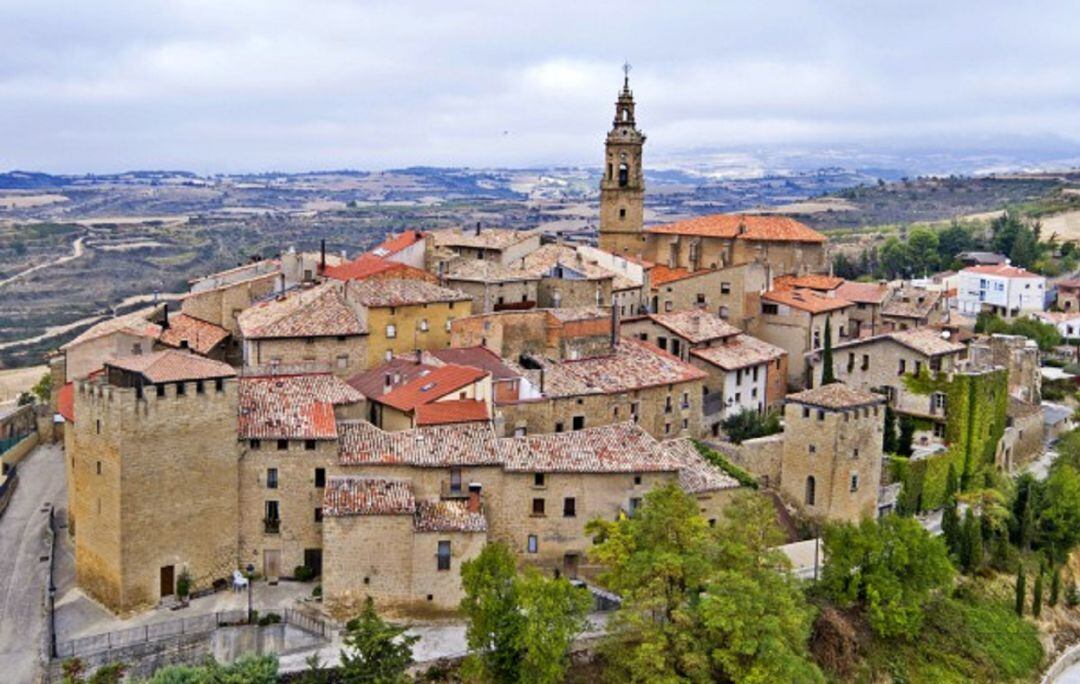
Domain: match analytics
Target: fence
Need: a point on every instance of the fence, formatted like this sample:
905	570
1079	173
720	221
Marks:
9	442
190	626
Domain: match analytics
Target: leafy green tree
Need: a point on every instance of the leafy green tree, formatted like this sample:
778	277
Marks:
1025	249
894	258
749	424
1021	590
1037	595
827	375
701	604
951	529
954	239
906	441
520	625
43	388
1057	520
889	441
922	250
889	569
375	651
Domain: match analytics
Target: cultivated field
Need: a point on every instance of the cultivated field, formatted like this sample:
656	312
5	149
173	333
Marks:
17	380
1066	225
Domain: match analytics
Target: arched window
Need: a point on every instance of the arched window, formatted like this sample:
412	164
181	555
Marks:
626	115
624	175
810	486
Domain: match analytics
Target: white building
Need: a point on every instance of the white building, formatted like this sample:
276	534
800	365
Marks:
1004	290
1066	322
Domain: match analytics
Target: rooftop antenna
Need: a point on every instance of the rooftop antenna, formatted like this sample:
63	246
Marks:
626	74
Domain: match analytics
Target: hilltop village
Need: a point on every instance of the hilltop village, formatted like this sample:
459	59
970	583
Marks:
377	418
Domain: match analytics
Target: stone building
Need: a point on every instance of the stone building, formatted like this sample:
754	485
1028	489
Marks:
679	332
831	459
733	292
795	320
745	374
153	477
127	335
405	393
622	187
288	443
502	245
316	327
910	307
1067	298
185	332
368	266
864	318
493	286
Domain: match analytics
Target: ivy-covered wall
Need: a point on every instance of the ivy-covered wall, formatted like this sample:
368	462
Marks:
974	424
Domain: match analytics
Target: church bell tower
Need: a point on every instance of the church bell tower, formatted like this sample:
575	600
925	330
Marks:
622	188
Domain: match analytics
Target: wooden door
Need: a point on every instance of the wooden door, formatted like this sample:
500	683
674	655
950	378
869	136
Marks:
570	565
167	586
272	565
313	559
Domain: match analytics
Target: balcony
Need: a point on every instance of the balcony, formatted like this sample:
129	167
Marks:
272	525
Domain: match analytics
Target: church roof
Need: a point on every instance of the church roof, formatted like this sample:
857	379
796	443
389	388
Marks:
743	227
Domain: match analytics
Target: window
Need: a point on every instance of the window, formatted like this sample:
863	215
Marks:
724	312
855	453
902	367
569	507
559	427
850	361
622	212
821	414
283	445
738	376
98	426
219	385
817	339
635	503
181	389
391	331
685	400
637	479
538	507
160	390
770	309
667	305
812	449
99	467
667	428
423	325
538	479
272	518
455	480
918	367
866	362
309	445
443	556
854	482
810	493
939	430
578	423
661	342
533	545
255	444
343	361
668	404
320	477
449	321
271	478
318	514
725	288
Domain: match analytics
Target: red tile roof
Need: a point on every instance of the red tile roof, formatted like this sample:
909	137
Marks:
634	365
428	387
812	281
318	312
291	406
452	411
368	266
805	300
439	446
65	402
395	243
367	496
447	516
862	293
402	292
695	325
1001	270
201	337
136	323
474	357
170	365
659	275
836	395
743	227
696	475
739	352
618	448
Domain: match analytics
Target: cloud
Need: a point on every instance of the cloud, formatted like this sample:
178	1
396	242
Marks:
297	84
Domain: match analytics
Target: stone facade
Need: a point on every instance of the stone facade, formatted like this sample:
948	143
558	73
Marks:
155	482
404	329
799	332
343	355
622	187
222	305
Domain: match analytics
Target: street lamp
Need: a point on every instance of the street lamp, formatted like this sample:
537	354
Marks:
250	574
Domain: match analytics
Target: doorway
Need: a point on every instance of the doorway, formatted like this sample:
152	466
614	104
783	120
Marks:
313	560
570	565
168	587
272	565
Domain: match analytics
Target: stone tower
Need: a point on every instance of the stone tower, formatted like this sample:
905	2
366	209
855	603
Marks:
622	188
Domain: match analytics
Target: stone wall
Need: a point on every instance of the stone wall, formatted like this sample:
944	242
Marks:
409	333
344	355
761	457
222	305
486	296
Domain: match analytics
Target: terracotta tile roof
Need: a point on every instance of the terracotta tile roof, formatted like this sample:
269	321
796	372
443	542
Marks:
447	516
813	281
739	352
440	446
1001	270
425	388
835	396
395	243
291	406
661	275
1071	283
367	496
317	312
169	365
395	372
696	475
452	411
911	303
201	337
65	402
542	261
695	325
488	238
369	266
482	270
928	341
743	227
136	323
474	357
618	448
805	300
862	293
634	365
399	292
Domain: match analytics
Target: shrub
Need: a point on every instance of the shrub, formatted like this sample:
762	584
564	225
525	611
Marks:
303	573
183	584
717	459
749	424
269	619
316	592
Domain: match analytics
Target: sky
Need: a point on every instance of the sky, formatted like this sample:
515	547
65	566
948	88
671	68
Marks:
291	85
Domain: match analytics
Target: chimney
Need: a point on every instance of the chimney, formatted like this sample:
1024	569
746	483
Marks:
165	317
322	256
614	324
281	283
419	356
541	380
478	228
388	382
473	505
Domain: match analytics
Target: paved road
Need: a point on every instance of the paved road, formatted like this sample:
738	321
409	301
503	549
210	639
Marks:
22	574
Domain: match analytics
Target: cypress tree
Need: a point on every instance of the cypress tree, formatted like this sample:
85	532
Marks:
827	375
1027	523
1036	597
907	436
1021	590
950	527
951	484
888	444
971	548
1055	586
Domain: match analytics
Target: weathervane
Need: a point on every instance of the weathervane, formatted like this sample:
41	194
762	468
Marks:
626	73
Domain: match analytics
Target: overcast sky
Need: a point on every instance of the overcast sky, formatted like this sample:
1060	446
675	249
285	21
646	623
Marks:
237	85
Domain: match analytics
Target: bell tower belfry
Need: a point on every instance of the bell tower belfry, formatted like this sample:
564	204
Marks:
622	188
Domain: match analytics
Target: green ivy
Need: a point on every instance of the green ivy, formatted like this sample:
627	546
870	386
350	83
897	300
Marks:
717	459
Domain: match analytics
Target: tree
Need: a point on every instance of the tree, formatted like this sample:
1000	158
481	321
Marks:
951	529
893	258
971	549
953	240
748	424
904	445
1021	590
375	651
889	569
43	388
922	249
1037	595
1057	520
889	441
702	604
1055	586
827	375
520	625
1025	249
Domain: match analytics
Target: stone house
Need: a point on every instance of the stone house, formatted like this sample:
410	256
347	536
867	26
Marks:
146	427
914	307
831	459
127	335
492	244
406	393
316	327
183	331
1067	296
370	267
288	443
795	320
732	293
680	331
568	279
492	286
408	247
864	318
222	304
745	374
